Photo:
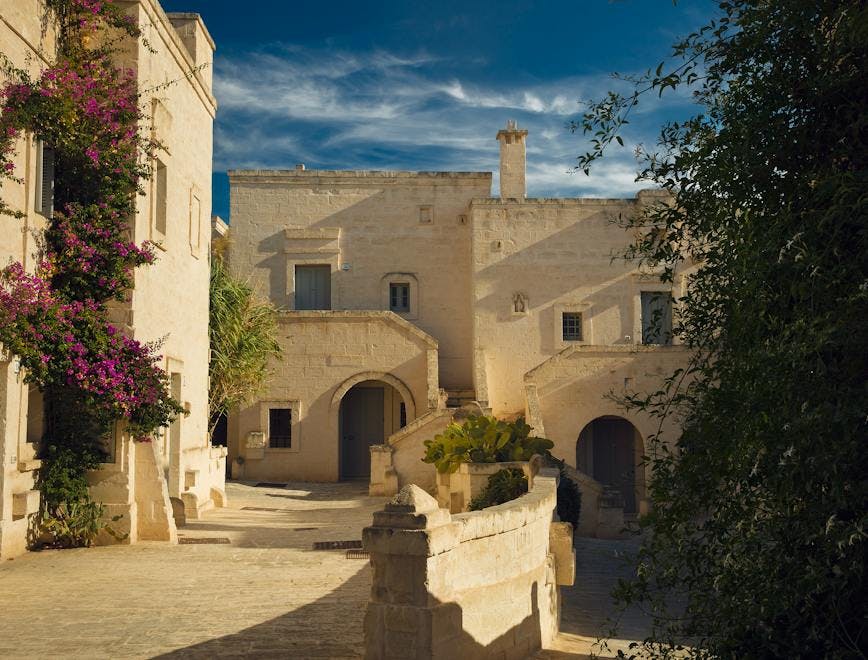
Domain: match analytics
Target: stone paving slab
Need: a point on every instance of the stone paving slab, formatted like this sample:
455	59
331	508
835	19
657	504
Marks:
265	594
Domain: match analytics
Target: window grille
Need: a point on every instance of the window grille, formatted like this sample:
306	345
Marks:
280	428
572	326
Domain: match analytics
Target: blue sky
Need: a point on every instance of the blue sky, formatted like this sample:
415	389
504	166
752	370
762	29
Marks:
426	85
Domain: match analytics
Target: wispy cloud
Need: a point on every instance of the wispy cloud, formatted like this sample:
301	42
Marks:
287	104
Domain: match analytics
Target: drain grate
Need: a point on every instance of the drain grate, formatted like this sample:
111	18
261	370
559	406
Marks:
269	484
304	529
358	554
202	540
336	545
259	508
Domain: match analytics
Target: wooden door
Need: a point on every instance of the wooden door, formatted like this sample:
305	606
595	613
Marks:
362	425
615	458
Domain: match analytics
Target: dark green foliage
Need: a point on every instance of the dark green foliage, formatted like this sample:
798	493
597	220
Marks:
69	449
503	486
760	511
569	500
482	439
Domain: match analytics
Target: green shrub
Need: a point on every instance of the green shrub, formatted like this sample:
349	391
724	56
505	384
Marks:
483	439
503	486
569	499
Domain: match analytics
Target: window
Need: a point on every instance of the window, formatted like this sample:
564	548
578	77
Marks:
572	326
656	317
44	179
160	202
195	224
313	287
399	296
280	428
402	415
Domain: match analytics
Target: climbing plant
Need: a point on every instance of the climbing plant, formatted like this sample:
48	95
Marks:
55	319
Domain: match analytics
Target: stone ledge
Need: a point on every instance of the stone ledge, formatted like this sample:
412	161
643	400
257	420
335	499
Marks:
551	201
349	176
335	315
30	465
678	351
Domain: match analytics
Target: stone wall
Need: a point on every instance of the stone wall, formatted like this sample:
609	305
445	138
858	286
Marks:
474	585
535	259
324	355
399	461
181	116
370	228
30	46
186	466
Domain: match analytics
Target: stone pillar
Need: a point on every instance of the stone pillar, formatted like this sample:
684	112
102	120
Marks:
384	479
401	621
512	161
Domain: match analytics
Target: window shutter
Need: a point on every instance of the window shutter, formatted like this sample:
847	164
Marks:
45	200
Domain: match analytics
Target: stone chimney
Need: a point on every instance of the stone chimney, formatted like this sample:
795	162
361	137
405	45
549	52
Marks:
512	161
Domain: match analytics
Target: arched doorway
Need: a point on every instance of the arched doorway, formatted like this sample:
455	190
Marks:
610	449
370	412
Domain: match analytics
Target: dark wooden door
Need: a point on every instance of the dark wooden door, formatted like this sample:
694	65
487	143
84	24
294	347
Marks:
615	458
362	425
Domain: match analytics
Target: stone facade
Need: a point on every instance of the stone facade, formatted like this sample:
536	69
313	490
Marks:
531	313
179	472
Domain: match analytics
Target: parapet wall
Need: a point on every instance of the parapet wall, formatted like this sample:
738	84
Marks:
473	585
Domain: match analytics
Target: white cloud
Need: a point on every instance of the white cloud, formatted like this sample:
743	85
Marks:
377	110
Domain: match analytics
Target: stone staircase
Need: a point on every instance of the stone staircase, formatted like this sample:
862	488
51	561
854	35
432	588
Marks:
459	398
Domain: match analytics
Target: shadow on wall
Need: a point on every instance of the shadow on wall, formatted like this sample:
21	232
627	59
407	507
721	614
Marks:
520	641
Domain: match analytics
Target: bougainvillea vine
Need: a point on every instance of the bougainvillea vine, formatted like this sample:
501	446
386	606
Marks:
55	320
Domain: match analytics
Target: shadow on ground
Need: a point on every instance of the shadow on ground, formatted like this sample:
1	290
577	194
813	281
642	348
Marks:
330	627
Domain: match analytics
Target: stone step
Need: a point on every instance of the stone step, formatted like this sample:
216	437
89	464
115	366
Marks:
457	398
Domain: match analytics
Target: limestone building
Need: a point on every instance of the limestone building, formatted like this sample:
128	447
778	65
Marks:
180	473
407	295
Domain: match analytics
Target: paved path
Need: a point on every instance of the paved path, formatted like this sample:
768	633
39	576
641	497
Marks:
266	594
587	606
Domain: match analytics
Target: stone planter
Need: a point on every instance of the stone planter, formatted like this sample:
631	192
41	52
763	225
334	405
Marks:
455	490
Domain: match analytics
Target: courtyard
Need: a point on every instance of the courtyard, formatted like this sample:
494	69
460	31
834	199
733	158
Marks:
244	581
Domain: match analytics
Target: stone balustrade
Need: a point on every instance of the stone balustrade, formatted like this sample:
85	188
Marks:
473	585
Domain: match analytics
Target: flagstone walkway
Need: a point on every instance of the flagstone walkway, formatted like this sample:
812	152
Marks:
264	594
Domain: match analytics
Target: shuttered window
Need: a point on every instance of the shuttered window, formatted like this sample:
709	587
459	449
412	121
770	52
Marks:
399	297
656	318
280	428
161	184
44	179
313	287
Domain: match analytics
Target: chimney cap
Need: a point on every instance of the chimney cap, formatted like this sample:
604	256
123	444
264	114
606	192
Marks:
512	130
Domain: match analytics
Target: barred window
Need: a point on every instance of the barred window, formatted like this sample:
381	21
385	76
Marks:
280	428
572	326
